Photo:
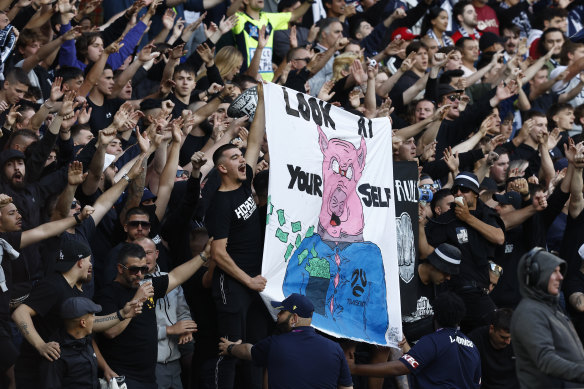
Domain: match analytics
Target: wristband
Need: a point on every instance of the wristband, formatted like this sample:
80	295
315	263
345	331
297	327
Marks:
229	348
77	219
119	315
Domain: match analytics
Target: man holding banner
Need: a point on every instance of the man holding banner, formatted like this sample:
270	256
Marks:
232	220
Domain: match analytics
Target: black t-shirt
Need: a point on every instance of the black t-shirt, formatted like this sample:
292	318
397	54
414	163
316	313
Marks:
13	238
497	366
573	239
234	215
46	299
103	115
133	352
191	145
476	250
297	79
506	293
421	321
179	106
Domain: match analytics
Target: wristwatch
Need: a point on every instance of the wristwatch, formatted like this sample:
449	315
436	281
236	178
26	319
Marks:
127	178
203	256
229	348
77	219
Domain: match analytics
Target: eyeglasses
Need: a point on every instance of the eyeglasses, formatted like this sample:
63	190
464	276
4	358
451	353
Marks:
307	59
134	270
74	204
462	189
137	223
453	98
498	270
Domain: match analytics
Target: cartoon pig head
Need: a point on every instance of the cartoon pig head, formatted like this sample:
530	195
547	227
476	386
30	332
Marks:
341	213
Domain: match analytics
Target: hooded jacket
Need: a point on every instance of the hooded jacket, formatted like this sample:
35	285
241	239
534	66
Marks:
548	350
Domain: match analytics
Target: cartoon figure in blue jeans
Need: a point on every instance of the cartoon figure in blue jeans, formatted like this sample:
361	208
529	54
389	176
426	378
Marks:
341	274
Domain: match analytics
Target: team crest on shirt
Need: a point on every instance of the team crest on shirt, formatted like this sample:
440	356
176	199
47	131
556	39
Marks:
254	31
462	235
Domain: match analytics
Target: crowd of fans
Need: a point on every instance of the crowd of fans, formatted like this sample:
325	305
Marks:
122	177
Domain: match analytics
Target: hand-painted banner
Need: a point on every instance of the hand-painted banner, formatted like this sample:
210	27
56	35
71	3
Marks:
331	226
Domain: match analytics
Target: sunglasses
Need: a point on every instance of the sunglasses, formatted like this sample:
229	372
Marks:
462	189
433	187
498	270
453	98
307	59
133	270
74	204
137	223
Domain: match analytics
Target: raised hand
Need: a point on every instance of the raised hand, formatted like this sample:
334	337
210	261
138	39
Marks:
394	48
12	116
56	89
114	47
358	73
190	29
206	54
146	53
84	114
325	92
107	135
451	159
227	24
75	175
177	52
198	159
293	39
73	33
168	19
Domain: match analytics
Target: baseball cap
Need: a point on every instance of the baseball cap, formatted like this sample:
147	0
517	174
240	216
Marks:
403	33
445	89
295	303
508	198
446	258
75	307
148	195
71	251
488	39
10	154
467	180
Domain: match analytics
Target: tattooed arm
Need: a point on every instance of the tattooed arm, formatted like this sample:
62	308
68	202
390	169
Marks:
22	316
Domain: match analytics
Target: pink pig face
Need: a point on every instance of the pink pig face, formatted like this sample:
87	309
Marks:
341	213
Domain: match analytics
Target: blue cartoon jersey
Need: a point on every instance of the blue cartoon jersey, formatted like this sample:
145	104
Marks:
346	284
444	359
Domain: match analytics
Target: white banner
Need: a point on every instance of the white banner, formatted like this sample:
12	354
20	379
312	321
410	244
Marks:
330	231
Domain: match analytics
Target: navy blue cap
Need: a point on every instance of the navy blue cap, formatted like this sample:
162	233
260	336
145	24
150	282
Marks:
75	307
296	303
508	198
10	154
147	195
